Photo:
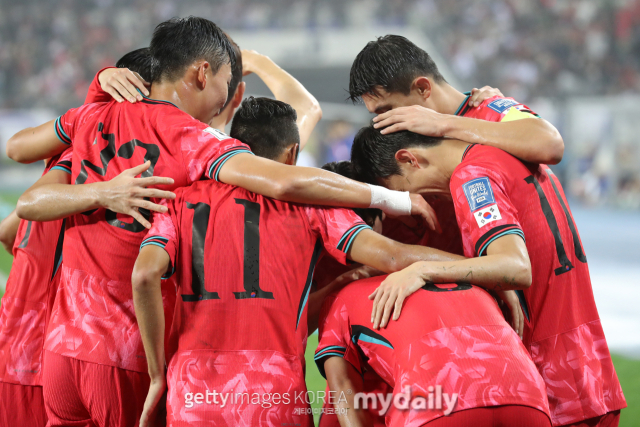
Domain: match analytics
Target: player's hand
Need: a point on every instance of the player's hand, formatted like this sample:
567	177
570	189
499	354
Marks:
154	402
510	298
126	194
415	118
482	94
249	58
419	206
358	273
391	293
122	83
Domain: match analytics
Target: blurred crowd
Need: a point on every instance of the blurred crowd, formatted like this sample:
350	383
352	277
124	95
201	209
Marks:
50	50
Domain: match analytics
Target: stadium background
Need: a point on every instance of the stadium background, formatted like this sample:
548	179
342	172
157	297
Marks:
575	62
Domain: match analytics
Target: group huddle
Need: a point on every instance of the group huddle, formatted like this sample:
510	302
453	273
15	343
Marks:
166	273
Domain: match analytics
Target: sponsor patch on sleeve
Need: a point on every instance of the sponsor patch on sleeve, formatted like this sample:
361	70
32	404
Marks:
479	193
501	105
221	136
487	215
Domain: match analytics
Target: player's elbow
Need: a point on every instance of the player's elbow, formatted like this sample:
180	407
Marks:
145	277
25	208
553	145
7	237
15	151
315	111
521	273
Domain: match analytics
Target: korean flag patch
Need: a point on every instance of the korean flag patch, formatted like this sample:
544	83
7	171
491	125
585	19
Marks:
221	136
479	193
487	215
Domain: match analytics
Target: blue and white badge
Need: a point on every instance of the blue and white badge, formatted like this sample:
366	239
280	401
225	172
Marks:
501	105
479	193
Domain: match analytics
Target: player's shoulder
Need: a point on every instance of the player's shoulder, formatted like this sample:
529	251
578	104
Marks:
477	156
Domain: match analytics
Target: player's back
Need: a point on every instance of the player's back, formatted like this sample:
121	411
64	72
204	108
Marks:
30	292
445	336
243	264
93	318
561	319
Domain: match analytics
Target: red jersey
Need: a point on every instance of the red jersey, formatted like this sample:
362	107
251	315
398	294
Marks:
244	265
494	109
452	336
495	194
31	290
93	317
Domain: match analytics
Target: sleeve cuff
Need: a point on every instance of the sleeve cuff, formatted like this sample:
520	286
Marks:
344	245
321	353
160	242
60	133
214	169
64	166
495	233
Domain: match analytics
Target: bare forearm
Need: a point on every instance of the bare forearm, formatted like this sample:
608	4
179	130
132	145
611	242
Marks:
9	230
287	89
56	201
389	256
147	301
346	384
35	143
294	183
496	272
533	140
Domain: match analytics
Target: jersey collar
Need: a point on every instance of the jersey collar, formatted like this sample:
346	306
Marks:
462	109
148	100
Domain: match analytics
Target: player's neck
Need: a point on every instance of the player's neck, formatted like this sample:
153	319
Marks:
169	91
450	155
448	98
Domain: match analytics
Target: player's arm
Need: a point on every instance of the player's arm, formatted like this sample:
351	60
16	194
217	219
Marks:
285	88
319	187
505	267
9	230
346	381
151	264
387	255
52	197
529	138
35	143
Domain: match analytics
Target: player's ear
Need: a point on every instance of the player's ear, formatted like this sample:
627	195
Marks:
422	85
202	69
237	97
292	154
407	158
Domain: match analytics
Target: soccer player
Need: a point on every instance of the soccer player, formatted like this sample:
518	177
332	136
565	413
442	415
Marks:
244	265
93	337
516	223
26	306
452	339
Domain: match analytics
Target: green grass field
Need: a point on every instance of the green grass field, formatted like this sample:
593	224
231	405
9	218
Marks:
628	370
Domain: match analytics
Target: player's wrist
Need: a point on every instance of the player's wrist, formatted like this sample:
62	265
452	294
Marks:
449	125
395	203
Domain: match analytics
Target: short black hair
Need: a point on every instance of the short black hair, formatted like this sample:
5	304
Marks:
179	42
345	168
139	60
266	125
236	72
392	63
373	154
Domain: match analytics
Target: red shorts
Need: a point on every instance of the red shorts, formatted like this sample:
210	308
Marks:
494	416
610	419
78	393
21	405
